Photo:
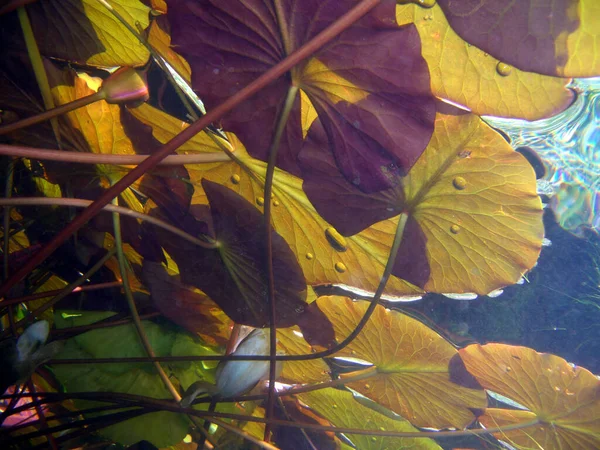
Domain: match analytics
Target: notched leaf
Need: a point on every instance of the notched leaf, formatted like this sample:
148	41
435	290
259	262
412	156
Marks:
377	124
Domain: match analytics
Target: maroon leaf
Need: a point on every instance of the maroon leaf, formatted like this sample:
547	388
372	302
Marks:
376	107
337	200
411	262
350	210
316	327
191	310
233	275
527	34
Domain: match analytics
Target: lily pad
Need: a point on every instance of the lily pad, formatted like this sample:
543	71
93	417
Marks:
560	399
412	363
559	38
376	106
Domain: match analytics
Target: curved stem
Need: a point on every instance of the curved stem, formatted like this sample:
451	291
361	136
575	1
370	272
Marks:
67	290
37	296
80	203
8	188
97	158
98	325
38	68
273	151
133	309
14	5
51	113
138	322
268	77
156	404
384	278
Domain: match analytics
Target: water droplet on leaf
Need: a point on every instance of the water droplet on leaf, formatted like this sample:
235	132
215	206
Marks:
235	179
459	183
260	201
503	69
340	267
455	229
309	256
337	241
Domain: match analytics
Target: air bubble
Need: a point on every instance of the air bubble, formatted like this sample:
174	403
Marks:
459	183
340	267
503	69
336	240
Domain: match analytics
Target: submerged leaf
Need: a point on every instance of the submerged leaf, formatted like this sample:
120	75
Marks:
412	362
559	38
290	341
375	106
160	428
564	399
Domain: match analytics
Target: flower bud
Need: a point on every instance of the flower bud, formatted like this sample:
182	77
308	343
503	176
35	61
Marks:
125	85
237	377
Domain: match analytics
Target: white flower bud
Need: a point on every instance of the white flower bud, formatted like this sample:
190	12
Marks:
237	377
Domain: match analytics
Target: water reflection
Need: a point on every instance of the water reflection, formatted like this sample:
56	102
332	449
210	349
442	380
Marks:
569	147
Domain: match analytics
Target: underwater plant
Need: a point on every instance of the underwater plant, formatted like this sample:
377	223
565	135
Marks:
277	176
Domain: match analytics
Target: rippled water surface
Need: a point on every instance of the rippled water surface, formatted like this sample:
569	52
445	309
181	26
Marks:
569	148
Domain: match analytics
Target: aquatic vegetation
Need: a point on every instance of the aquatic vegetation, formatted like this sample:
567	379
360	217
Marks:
286	167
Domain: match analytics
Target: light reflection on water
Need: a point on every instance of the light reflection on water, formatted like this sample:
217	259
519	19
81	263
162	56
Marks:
569	146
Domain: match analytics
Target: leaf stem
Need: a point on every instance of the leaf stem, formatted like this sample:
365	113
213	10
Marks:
158	404
8	187
52	113
138	322
374	302
67	290
40	412
273	152
38	68
38	295
133	309
96	158
81	203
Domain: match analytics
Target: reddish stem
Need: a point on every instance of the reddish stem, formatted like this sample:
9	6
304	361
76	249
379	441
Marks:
46	115
29	298
40	412
268	77
14	5
96	158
